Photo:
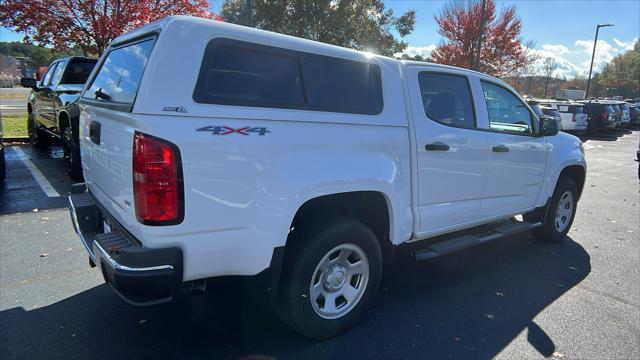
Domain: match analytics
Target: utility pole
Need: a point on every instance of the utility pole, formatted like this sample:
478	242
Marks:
476	62
595	42
248	12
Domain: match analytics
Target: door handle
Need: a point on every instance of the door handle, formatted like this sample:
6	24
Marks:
94	132
500	148
436	146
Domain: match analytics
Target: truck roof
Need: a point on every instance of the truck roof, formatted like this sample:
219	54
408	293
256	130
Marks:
249	33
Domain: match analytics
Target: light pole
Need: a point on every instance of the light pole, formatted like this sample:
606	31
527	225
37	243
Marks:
586	95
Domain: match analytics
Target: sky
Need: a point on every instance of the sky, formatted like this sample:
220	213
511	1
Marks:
562	29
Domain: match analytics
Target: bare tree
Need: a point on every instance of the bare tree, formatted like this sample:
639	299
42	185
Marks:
549	66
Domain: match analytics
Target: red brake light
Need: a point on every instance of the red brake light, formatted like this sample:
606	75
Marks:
604	116
157	181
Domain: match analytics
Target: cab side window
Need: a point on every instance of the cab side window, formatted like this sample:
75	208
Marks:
447	99
506	112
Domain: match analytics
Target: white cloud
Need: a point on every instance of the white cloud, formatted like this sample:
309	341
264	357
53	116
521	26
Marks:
558	53
577	59
625	45
555	49
605	52
423	51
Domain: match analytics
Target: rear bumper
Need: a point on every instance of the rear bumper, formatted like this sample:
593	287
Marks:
141	276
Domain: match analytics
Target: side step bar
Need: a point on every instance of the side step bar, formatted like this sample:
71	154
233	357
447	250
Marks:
483	234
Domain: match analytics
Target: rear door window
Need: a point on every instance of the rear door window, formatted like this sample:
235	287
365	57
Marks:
447	99
118	79
577	109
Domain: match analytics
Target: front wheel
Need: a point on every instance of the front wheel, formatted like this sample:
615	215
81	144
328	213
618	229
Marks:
330	279
562	211
37	137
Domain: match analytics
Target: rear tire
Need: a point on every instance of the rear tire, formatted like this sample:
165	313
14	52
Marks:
562	211
38	138
71	154
330	279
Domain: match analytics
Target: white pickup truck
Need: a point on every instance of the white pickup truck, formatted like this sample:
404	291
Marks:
211	149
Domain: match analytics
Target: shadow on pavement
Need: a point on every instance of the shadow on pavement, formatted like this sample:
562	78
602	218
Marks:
21	192
468	305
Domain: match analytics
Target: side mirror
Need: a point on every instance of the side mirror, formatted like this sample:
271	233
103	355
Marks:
548	126
29	83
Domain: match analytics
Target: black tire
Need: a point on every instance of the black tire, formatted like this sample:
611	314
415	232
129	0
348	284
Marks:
71	154
549	232
38	138
305	252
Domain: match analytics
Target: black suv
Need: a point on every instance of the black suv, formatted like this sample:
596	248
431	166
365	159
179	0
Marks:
53	109
601	116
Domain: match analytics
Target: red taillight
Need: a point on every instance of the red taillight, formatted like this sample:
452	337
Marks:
573	118
157	181
604	116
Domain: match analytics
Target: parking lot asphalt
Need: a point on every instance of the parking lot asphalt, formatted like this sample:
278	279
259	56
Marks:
514	298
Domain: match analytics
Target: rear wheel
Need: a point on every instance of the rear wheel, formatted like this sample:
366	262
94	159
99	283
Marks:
37	137
331	276
71	154
562	211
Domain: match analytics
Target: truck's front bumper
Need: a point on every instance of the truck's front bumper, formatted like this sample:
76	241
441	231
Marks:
141	276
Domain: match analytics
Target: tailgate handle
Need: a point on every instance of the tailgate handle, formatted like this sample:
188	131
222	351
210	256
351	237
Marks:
94	132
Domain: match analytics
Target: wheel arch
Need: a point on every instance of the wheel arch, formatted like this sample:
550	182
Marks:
577	174
373	208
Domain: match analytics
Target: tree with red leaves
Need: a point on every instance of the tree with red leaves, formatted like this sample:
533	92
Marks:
89	24
501	49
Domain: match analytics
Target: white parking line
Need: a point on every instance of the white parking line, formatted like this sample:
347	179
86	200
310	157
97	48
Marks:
36	173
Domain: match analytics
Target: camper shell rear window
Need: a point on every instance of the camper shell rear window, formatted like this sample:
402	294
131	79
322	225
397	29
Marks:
245	74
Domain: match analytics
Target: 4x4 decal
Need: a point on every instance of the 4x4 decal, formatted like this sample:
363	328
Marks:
225	130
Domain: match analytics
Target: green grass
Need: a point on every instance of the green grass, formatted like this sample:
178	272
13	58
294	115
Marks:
14	126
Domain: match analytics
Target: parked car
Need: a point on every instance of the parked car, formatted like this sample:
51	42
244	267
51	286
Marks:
634	114
600	116
624	109
574	118
52	107
301	163
547	110
618	113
